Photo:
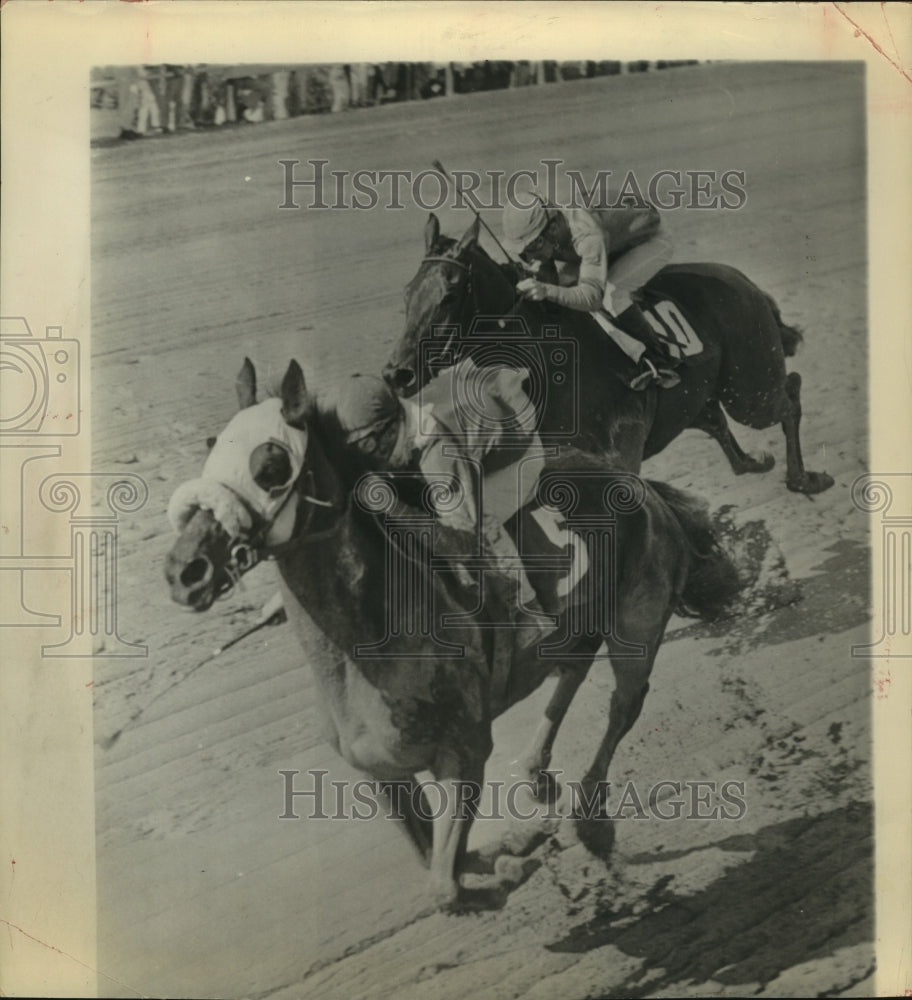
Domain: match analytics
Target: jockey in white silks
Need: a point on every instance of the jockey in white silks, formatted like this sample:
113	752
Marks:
472	429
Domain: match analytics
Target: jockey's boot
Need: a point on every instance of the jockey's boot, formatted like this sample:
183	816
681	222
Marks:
529	618
457	546
654	364
531	624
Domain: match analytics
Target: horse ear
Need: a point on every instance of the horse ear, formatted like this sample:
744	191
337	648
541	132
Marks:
431	232
296	403
245	384
468	239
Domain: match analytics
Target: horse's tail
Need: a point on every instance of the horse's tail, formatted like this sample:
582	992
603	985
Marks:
791	336
712	581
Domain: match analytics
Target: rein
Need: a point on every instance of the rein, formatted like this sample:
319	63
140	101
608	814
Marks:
275	551
471	290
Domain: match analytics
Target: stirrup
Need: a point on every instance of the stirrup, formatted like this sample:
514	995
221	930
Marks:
644	379
665	377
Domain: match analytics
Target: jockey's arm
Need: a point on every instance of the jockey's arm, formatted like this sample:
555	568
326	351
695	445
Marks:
586	295
443	466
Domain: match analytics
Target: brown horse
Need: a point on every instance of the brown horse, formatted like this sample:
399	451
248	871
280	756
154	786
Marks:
404	658
460	302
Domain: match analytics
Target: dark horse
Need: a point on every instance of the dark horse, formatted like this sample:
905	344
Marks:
741	365
401	700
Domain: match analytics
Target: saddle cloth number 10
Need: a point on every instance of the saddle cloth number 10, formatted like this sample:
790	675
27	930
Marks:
668	322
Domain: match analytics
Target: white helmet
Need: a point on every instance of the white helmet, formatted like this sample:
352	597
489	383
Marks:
522	225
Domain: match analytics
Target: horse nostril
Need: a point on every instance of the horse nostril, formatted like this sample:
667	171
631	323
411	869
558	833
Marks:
403	378
196	572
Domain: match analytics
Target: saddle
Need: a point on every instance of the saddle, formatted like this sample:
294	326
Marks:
676	337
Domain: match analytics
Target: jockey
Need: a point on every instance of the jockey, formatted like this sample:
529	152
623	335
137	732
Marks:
595	260
473	430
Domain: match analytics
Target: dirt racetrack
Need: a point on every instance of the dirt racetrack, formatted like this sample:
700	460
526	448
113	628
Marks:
202	890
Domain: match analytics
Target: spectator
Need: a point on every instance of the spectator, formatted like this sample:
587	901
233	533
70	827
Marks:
127	82
176	98
151	93
386	81
341	89
359	75
138	108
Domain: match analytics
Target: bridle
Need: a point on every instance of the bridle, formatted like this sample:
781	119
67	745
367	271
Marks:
245	553
471	291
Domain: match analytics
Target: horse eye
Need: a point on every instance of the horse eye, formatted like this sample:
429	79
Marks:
270	466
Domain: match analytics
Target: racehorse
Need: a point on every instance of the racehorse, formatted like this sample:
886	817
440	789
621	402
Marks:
735	359
280	482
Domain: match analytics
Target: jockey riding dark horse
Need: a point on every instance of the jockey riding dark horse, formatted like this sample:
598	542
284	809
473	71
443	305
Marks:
461	303
595	260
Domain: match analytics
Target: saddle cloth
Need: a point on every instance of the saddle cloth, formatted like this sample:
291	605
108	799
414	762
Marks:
670	324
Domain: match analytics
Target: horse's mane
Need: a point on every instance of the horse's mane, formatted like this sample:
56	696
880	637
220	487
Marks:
509	268
322	421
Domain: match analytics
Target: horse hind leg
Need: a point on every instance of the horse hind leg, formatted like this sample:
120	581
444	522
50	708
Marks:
797	478
594	826
408	804
635	627
711	419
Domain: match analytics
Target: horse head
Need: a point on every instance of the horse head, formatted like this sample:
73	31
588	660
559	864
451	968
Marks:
254	494
455	282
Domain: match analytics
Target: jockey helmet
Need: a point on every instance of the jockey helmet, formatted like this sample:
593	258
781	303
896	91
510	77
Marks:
521	225
366	407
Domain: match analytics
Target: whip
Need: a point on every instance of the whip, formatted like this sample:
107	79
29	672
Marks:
270	614
440	168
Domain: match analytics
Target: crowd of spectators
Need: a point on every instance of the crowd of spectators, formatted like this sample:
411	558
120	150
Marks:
168	98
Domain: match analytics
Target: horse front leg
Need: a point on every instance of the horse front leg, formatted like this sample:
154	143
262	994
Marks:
593	825
797	479
458	787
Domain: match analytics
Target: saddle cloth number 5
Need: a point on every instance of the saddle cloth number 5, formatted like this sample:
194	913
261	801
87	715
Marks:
673	327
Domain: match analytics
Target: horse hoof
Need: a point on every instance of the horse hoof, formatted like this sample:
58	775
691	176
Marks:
596	834
509	870
445	895
750	464
810	482
762	464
